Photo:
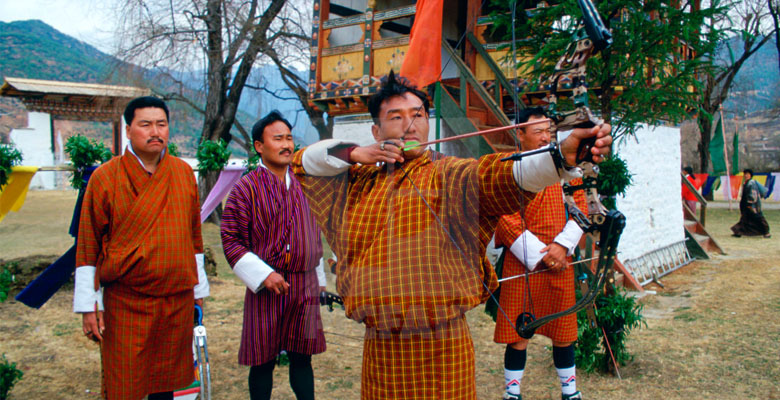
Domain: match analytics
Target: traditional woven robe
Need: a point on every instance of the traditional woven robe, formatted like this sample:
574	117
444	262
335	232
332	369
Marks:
142	232
266	218
550	291
687	195
405	277
751	221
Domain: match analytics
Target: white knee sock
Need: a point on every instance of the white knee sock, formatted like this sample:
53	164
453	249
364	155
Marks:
568	379
512	380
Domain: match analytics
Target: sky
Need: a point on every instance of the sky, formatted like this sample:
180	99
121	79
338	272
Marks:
90	21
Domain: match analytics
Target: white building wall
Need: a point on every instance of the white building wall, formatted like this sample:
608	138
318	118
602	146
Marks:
360	131
652	204
34	142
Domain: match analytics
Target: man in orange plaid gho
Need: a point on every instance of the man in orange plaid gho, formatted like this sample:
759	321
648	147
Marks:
541	236
409	229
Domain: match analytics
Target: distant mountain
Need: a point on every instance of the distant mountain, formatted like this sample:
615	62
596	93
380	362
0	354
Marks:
35	50
32	49
756	87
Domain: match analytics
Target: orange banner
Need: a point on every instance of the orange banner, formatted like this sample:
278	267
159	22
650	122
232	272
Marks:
736	182
422	63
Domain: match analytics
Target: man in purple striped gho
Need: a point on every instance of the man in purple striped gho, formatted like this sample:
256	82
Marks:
272	242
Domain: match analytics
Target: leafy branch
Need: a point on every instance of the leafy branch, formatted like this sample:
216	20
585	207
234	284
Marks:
9	157
85	153
212	156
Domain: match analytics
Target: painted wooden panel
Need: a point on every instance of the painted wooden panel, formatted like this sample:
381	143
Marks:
387	58
342	66
483	72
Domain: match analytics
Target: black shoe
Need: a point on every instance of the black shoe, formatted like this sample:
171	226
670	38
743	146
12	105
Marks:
574	396
736	235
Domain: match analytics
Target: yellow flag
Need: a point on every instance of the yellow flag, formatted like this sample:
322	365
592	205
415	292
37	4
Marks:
12	195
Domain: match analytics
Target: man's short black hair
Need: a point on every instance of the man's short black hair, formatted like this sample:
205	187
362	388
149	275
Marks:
273	116
748	171
394	86
688	170
144	102
526	113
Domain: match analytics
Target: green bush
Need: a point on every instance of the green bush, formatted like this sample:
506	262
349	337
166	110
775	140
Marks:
252	162
9	157
212	156
613	179
83	153
9	375
6	280
173	149
618	314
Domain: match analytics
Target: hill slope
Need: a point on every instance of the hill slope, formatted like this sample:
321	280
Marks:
33	49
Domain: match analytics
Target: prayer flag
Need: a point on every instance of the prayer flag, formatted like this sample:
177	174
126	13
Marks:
711	185
736	182
735	155
40	290
227	178
717	150
726	187
13	194
422	63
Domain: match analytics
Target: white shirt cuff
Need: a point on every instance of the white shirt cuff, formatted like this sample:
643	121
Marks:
569	236
492	253
321	273
84	294
317	162
252	271
527	248
535	172
202	289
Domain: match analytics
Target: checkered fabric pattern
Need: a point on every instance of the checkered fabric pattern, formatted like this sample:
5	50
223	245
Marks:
147	344
399	271
142	232
397	268
550	291
428	364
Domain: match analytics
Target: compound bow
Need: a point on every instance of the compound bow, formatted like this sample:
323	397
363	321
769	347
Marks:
591	36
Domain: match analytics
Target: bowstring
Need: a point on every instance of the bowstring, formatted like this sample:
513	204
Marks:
529	304
425	201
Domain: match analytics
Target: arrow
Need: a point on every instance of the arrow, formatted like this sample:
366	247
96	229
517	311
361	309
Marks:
415	144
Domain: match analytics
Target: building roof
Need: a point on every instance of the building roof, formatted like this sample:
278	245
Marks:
16	87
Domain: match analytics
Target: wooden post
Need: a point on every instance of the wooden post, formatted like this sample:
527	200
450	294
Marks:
116	127
319	16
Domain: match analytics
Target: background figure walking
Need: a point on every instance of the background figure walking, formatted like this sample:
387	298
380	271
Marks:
751	221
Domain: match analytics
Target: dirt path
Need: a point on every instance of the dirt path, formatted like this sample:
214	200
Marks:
711	333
